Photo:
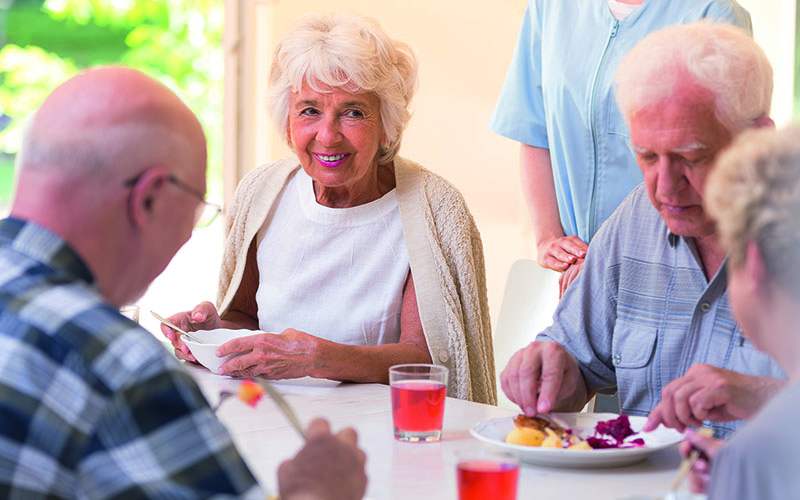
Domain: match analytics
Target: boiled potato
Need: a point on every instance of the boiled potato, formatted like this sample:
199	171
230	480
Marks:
552	440
525	436
579	445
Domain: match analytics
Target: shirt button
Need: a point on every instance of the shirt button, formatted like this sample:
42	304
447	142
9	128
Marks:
444	357
705	307
618	358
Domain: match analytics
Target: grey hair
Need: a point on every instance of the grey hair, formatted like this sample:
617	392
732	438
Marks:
348	52
753	192
103	153
721	58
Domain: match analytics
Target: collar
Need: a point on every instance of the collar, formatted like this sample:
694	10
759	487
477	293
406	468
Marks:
673	239
38	243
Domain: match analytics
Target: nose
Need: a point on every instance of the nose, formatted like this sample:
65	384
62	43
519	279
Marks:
329	131
671	177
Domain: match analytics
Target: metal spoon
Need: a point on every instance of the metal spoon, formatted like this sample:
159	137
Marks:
177	329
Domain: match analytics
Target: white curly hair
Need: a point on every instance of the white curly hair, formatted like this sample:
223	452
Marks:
719	57
348	52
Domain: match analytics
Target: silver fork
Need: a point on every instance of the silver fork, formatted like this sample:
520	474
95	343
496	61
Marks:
177	329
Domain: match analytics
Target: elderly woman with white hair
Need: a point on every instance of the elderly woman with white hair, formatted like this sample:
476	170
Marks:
754	194
352	258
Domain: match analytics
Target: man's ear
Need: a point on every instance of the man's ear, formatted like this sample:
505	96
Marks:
763	122
144	196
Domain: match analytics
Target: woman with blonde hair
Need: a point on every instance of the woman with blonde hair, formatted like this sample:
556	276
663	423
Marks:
352	258
754	195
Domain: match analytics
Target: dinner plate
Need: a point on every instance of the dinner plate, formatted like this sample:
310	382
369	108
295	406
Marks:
494	432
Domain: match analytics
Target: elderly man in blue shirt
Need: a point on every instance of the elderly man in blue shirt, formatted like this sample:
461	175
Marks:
649	316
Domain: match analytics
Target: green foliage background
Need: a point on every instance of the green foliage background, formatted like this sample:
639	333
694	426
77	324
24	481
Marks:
177	42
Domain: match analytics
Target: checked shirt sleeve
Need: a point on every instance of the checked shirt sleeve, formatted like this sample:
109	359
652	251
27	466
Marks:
160	439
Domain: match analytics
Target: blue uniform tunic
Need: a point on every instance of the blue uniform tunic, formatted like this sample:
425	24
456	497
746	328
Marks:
558	95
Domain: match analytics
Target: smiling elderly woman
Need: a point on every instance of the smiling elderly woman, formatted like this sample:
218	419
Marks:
352	258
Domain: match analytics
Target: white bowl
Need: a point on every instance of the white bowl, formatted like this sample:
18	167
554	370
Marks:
206	353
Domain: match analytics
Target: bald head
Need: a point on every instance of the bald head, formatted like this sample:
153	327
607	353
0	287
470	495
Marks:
107	122
99	167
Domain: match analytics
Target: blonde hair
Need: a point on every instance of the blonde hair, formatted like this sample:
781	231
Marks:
348	52
753	192
721	58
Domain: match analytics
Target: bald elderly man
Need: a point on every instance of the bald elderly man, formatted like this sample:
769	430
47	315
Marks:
649	316
111	175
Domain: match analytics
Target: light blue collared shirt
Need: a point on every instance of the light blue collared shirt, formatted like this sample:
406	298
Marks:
558	94
642	312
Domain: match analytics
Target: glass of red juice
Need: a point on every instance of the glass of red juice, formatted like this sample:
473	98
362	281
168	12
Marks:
487	475
418	394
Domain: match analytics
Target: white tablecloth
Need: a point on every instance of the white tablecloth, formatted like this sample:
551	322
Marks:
416	471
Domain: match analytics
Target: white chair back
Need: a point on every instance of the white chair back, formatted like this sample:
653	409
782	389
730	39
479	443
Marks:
529	299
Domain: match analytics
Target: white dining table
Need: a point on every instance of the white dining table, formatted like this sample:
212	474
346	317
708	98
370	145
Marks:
416	471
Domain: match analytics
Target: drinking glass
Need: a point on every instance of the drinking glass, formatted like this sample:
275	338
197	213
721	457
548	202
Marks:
487	474
131	311
418	394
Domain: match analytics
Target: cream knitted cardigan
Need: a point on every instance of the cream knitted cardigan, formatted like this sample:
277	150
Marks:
445	254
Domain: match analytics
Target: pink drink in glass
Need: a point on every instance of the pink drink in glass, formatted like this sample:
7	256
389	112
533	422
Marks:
418	409
482	479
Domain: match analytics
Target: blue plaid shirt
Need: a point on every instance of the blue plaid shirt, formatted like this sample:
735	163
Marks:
91	405
642	312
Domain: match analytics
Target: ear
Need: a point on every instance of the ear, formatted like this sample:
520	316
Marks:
763	122
145	195
289	135
755	269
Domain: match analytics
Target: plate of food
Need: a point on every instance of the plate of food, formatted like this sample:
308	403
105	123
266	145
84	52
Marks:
584	440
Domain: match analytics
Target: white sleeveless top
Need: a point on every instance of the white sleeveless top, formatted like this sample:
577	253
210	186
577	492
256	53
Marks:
620	10
335	273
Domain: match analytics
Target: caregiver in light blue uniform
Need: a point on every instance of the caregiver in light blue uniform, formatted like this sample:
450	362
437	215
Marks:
558	101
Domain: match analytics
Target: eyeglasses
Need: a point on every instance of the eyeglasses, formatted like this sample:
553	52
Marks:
206	211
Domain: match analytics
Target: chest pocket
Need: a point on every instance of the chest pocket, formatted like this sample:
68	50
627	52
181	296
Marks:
632	345
632	350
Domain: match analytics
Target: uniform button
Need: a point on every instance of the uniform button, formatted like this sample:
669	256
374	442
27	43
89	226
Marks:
705	307
444	357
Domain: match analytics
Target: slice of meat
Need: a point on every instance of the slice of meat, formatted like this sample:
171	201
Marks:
538	423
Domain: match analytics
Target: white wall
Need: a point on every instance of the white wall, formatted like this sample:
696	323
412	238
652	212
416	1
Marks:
774	30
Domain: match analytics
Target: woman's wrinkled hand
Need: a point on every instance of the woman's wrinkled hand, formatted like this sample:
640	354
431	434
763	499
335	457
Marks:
203	317
559	253
289	354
